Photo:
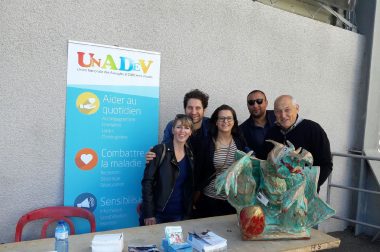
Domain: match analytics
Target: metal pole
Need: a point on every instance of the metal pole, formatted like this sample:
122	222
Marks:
329	179
361	205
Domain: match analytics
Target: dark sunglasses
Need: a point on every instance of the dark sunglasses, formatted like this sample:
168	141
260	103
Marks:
252	102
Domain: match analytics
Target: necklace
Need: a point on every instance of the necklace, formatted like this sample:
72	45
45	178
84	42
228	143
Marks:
220	143
218	146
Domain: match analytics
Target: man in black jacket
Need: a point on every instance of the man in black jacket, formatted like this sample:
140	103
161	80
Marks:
301	133
256	127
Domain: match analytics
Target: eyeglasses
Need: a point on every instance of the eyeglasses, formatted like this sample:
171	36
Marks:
227	118
252	102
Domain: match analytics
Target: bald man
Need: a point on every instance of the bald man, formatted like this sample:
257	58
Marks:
301	133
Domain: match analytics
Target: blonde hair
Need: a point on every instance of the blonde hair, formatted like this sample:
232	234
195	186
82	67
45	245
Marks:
185	121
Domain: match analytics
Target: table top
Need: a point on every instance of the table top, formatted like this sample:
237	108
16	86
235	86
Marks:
225	226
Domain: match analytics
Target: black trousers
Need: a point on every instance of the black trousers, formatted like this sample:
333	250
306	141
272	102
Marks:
209	207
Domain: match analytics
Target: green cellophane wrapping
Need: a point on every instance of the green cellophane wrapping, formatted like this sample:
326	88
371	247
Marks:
287	180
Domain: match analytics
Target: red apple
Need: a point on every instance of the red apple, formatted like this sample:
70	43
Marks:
252	221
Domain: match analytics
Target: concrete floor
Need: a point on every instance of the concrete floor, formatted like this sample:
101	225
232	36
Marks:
351	243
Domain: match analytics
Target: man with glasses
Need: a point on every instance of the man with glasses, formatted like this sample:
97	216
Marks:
259	122
302	133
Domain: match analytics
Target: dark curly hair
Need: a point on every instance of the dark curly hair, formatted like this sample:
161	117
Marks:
196	94
214	117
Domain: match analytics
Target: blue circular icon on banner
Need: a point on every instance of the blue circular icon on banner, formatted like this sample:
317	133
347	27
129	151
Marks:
86	201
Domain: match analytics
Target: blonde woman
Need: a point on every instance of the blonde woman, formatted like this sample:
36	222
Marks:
167	186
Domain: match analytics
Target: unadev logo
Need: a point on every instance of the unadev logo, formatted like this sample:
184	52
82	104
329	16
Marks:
124	63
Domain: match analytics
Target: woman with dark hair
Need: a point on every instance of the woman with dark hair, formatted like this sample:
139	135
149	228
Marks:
168	183
216	155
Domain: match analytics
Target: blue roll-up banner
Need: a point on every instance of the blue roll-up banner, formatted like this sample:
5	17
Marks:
112	110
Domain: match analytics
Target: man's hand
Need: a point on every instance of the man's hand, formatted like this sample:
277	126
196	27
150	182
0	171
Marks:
150	221
150	155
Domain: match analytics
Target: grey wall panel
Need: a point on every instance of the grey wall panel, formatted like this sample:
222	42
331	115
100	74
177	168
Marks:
225	48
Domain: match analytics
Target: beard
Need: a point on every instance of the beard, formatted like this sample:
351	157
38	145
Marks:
258	114
196	120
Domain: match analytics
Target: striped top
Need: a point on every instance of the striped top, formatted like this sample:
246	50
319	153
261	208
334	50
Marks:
221	163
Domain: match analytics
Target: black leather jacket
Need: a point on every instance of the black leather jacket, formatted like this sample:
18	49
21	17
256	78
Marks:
159	181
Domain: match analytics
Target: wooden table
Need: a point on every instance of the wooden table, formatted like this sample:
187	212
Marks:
225	226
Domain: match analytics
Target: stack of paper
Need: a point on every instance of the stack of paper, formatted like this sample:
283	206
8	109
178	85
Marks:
173	241
108	243
207	242
143	248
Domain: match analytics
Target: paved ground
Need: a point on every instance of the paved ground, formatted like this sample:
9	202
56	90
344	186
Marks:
351	243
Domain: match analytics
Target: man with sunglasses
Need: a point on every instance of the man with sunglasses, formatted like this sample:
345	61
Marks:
255	128
302	133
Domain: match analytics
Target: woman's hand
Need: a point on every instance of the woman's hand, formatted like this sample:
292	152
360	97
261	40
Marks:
150	221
